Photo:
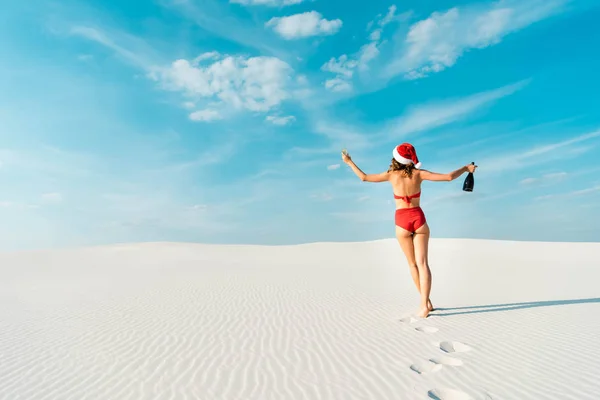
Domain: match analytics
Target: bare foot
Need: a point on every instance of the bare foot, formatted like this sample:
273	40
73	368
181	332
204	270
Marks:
423	312
430	306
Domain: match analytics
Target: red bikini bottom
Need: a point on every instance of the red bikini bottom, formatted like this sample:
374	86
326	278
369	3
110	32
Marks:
410	219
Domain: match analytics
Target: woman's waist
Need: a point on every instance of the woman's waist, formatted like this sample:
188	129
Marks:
409	208
413	203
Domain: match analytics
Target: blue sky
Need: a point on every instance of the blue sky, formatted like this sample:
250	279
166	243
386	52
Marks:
222	121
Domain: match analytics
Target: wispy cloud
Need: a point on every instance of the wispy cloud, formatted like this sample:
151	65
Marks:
207	115
546	178
18	206
535	155
138	57
52	198
280	121
345	65
300	26
224	84
419	118
333	167
85	57
580	192
433	115
321	196
215	17
437	42
217	154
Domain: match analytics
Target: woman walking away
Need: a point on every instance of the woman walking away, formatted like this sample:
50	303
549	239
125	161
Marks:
412	230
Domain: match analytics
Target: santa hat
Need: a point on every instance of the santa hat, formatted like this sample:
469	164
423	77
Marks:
406	154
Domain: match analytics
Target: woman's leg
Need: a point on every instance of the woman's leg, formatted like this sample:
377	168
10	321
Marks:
421	246
406	241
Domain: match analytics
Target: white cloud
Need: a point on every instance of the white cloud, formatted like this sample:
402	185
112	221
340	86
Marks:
270	3
552	177
368	52
210	55
333	167
381	22
341	66
338	85
321	197
528	181
255	83
433	115
207	115
304	25
436	43
252	83
345	65
18	206
52	197
555	176
280	121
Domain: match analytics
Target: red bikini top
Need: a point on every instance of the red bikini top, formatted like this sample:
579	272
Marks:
407	198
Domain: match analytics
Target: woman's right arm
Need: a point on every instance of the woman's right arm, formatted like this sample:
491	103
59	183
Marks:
434	176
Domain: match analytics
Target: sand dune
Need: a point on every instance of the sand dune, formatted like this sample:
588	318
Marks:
516	320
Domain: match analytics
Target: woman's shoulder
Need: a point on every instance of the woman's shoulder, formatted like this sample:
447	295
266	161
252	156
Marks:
416	175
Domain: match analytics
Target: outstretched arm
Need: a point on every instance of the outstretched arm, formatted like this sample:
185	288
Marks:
384	176
434	176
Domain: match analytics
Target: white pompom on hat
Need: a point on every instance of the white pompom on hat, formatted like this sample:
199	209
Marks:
405	154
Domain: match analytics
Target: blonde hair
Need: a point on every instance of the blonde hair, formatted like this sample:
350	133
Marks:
405	169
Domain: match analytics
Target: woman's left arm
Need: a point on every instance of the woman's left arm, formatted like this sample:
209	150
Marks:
382	177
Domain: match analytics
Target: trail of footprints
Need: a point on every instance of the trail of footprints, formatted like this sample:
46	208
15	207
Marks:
435	364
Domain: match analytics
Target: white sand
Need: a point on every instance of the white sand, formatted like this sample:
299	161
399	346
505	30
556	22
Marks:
320	321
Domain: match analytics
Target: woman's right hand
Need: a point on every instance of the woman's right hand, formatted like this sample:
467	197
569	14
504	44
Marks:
346	157
471	167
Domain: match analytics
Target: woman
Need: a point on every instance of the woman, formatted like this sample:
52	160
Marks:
412	230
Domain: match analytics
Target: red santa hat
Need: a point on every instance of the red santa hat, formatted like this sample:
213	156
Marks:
405	154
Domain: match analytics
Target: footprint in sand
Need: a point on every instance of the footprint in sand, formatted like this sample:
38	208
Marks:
435	364
427	329
454	347
425	367
445	360
408	320
448	394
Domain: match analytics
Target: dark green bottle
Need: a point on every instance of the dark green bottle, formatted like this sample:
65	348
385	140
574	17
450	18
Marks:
469	181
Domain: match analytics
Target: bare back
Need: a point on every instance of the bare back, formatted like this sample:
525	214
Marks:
405	186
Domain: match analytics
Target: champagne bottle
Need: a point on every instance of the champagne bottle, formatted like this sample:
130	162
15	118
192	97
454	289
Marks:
469	181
